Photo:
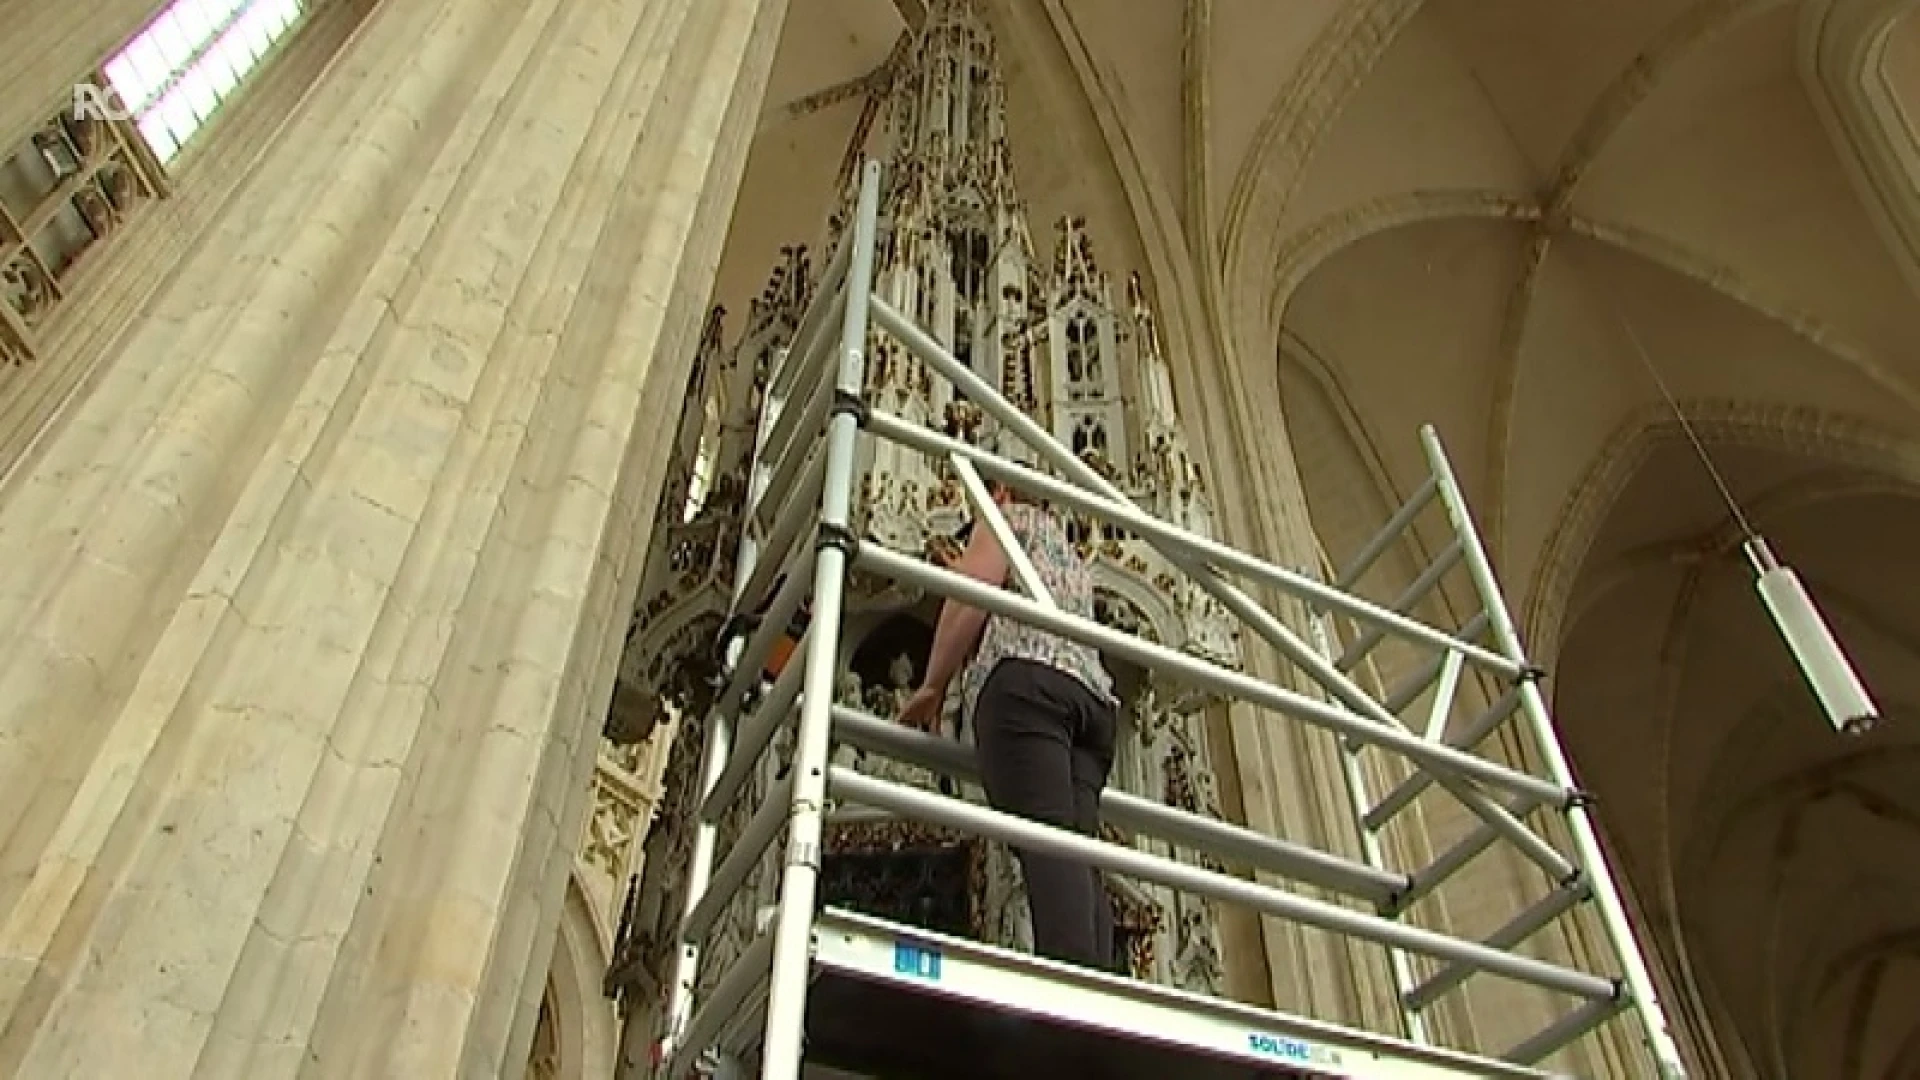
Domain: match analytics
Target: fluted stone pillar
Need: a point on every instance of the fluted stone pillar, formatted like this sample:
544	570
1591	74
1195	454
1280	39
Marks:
310	614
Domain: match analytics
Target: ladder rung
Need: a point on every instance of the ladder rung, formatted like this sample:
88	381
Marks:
745	853
1516	930
755	732
1468	738
1449	862
769	514
720	1008
1410	687
792	521
1428	580
820	314
795	435
1388	533
748	668
1574	1024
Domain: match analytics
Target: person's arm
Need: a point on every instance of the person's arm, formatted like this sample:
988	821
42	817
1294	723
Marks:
958	630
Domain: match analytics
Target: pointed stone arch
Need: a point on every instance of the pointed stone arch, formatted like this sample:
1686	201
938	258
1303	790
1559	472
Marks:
576	1033
1136	606
1832	437
1700	778
1844	62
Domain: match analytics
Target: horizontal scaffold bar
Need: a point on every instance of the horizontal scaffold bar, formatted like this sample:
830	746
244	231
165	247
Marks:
1131	813
911	572
910	802
1155	531
1180	546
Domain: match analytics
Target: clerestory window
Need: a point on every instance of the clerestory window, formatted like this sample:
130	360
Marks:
176	73
78	177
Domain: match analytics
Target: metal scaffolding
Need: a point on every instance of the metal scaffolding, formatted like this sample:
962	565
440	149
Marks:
801	488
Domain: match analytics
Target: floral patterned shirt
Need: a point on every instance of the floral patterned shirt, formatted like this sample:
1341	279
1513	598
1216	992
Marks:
1069	579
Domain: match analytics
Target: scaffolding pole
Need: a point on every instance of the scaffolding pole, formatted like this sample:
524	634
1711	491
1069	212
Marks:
1598	877
803	479
793	923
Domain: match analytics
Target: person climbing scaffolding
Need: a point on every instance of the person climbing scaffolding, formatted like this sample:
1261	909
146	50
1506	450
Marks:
1044	718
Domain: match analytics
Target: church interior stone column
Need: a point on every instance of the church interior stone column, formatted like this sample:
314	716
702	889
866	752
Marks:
313	605
1288	779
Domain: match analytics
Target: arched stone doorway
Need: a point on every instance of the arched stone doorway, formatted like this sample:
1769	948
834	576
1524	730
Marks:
576	1032
544	1062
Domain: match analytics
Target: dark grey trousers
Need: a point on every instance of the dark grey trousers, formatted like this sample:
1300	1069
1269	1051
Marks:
1045	745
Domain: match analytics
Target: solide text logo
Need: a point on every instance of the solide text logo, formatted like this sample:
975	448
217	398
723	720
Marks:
99	103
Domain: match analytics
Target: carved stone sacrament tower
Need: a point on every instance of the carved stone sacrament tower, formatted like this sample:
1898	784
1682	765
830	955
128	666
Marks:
956	255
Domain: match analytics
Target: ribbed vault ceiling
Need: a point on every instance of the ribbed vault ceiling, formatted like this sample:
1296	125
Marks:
1574	182
1783	852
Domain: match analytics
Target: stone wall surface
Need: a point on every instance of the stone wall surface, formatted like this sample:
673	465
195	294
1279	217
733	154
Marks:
308	604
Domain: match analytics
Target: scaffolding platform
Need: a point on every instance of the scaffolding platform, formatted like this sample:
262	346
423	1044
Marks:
811	987
892	1000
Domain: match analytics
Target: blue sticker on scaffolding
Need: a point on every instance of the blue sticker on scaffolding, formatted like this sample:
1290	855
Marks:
919	961
1290	1050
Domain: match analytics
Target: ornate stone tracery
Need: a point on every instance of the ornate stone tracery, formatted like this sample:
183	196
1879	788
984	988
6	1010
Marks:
63	191
956	253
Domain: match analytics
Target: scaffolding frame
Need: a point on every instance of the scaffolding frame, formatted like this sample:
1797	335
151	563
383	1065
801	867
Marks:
803	477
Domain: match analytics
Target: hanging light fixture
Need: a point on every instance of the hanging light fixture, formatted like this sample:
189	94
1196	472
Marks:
1823	663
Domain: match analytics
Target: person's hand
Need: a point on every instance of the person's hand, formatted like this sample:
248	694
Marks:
922	709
